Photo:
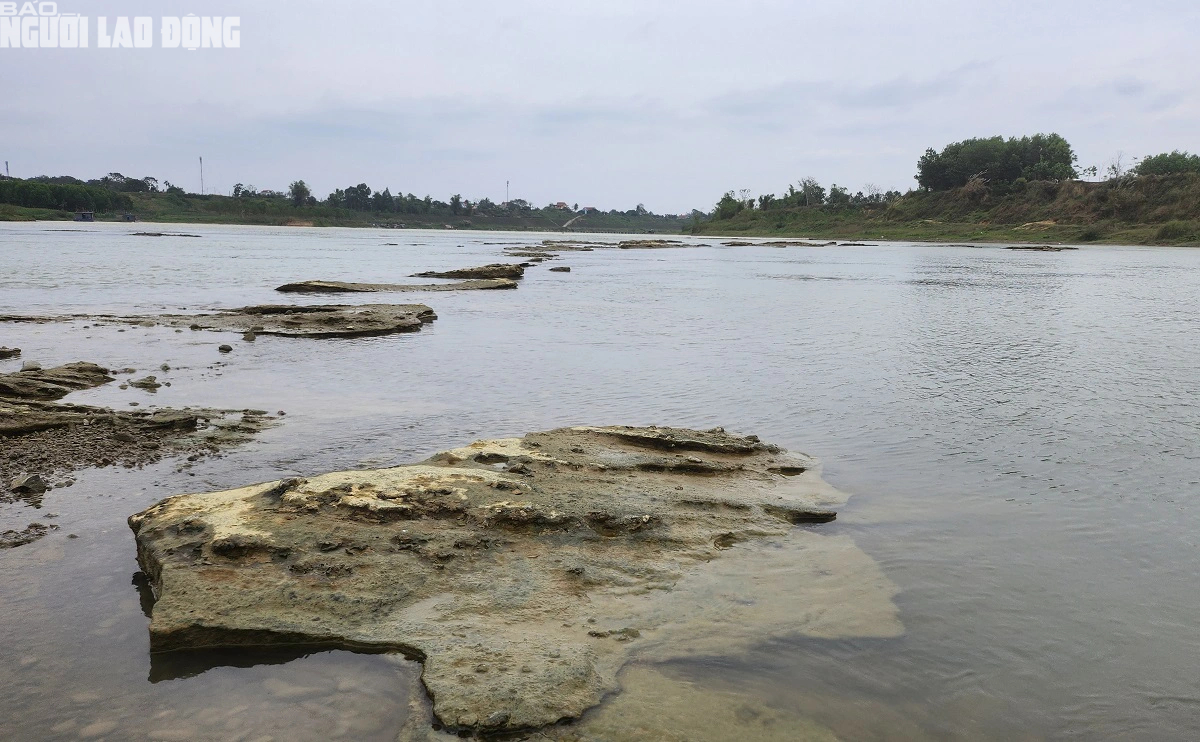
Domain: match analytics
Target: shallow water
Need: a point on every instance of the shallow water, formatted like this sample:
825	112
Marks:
1019	431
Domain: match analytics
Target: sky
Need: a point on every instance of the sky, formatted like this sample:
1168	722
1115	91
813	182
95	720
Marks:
606	104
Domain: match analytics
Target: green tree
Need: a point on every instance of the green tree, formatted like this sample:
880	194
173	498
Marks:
1169	163
456	204
811	192
997	161
838	196
382	201
299	192
728	207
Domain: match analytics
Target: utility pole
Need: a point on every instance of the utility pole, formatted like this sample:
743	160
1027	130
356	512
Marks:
6	169
201	176
506	198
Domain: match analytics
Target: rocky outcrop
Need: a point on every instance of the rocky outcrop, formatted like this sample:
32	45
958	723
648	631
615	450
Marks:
651	244
561	269
6	352
54	383
316	321
1041	248
286	320
522	572
341	287
494	270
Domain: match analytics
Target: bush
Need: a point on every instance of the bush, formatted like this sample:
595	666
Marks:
1175	230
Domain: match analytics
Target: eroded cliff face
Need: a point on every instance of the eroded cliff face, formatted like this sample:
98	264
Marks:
524	573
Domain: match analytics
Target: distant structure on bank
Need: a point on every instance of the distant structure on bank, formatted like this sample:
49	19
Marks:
85	216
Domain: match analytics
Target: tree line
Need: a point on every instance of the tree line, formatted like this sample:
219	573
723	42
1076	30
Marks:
993	164
45	194
809	194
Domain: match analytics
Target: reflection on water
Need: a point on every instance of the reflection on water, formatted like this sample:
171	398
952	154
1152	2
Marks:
1019	430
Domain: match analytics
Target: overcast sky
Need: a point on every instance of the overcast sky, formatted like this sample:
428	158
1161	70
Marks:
605	104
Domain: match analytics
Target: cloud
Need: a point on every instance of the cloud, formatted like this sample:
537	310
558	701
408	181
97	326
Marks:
605	103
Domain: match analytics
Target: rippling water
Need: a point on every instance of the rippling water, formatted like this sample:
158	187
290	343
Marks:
1020	431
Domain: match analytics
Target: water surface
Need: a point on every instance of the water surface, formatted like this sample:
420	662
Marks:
1019	430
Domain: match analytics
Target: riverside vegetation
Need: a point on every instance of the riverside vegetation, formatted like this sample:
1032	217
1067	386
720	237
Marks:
146	199
988	189
994	190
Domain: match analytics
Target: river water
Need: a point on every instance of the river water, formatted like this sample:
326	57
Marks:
1019	431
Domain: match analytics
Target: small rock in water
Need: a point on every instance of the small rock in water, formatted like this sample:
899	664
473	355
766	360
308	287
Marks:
165	367
249	337
29	483
31	366
149	383
561	269
6	352
226	348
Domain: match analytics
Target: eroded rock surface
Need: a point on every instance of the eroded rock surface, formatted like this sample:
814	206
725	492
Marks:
494	270
287	320
316	321
42	440
54	383
342	287
523	572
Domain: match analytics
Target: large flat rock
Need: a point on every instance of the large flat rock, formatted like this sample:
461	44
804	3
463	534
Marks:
343	287
314	321
523	572
52	383
493	270
286	320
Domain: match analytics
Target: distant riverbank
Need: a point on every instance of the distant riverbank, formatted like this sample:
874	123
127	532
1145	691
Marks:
1147	210
275	211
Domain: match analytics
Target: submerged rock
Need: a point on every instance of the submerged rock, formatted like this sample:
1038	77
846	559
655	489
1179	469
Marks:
341	287
6	352
561	269
494	270
522	572
27	535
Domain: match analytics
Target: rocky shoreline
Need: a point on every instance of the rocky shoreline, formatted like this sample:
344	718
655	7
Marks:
44	441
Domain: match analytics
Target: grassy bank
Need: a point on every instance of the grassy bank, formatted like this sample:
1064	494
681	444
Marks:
1147	210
